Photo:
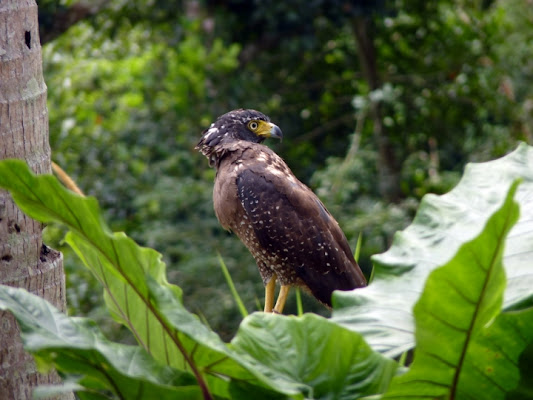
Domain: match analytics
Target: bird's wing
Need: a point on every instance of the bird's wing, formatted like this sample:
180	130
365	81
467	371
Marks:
289	220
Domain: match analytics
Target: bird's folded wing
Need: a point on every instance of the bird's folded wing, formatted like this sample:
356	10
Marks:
291	222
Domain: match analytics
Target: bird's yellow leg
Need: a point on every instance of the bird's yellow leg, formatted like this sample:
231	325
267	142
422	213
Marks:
282	298
269	294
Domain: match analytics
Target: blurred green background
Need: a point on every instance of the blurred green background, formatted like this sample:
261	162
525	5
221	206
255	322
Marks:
380	102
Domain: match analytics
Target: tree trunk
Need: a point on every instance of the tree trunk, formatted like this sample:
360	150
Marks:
388	168
24	261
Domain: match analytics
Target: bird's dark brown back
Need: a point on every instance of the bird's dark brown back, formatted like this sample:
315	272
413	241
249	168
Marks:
281	221
293	226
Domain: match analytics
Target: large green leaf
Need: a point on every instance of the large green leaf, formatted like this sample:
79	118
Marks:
233	364
125	270
76	346
312	355
464	349
382	312
331	359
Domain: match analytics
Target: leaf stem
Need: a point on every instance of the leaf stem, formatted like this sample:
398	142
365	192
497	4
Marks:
232	288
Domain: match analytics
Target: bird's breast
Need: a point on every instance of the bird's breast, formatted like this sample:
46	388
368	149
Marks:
227	205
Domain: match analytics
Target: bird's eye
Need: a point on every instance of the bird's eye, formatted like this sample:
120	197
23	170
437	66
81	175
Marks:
253	125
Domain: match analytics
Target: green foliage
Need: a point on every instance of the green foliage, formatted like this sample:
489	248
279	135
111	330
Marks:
383	311
447	97
131	88
482	347
139	297
133	278
76	345
464	342
342	365
133	149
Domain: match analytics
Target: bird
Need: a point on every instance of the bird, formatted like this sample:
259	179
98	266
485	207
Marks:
291	235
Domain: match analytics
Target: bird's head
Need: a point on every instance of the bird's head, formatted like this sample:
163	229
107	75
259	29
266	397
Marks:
248	125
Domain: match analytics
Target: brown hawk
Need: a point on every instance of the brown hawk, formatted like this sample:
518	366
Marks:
292	236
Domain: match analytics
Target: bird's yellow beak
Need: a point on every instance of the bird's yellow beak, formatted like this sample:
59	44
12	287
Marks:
268	129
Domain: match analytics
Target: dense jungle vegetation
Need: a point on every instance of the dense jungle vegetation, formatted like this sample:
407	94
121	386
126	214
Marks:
411	120
380	103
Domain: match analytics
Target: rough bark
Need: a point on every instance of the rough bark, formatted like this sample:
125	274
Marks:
388	168
24	261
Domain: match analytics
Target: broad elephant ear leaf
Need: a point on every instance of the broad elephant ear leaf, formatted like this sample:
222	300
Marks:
465	347
383	312
133	278
75	346
318	358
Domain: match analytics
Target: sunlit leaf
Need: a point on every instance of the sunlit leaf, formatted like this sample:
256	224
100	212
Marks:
382	312
464	349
